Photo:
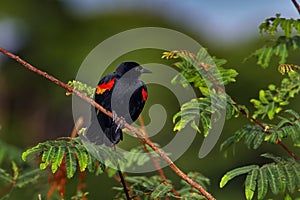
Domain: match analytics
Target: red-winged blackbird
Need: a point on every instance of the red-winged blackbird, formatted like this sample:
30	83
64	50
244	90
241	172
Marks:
121	93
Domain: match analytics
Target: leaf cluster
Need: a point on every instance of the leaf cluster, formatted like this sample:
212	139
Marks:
75	155
206	109
254	135
279	48
13	172
271	25
207	75
279	176
19	178
282	44
154	187
82	87
272	100
199	69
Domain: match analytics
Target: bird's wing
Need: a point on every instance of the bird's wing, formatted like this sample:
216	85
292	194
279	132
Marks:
137	101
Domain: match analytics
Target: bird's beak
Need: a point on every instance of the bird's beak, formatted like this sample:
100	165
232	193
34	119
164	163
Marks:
144	70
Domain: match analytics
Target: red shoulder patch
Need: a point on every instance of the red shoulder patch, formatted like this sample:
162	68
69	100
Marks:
144	94
105	86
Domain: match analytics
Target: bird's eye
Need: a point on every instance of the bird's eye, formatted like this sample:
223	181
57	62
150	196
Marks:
139	68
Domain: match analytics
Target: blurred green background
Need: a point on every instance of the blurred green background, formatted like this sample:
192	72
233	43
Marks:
56	36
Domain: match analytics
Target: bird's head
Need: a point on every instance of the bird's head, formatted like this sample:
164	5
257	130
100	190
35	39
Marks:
132	69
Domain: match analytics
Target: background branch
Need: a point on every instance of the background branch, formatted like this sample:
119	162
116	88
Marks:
296	5
215	82
108	113
154	160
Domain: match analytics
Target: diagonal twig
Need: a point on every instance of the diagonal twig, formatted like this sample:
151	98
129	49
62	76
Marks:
221	89
155	160
108	113
296	4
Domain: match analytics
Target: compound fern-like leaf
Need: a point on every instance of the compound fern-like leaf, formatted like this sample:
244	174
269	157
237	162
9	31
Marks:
71	165
236	172
250	184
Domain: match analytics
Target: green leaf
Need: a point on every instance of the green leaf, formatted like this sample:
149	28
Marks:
296	170
288	197
282	178
280	175
236	172
250	184
81	157
82	87
290	178
91	163
161	190
286	25
272	178
279	48
249	138
227	143
29	177
272	101
258	140
30	151
5	177
48	155
262	183
205	121
271	156
271	110
70	162
56	161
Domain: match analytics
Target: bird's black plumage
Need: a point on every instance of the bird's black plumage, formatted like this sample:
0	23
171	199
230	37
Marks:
123	93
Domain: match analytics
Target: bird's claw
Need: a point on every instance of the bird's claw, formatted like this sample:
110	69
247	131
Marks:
119	121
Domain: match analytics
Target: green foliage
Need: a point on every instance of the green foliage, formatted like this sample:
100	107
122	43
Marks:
283	174
8	153
138	157
271	25
82	87
283	43
202	108
279	48
289	127
272	100
13	172
187	192
155	187
199	69
75	154
280	176
254	135
19	178
207	75
150	187
80	195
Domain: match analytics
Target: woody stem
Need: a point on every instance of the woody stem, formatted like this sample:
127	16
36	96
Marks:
108	113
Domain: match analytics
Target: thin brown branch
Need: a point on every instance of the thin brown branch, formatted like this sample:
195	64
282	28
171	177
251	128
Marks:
77	126
154	160
206	67
123	182
267	131
297	6
108	113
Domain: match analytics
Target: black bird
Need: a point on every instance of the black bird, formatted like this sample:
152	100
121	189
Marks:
121	93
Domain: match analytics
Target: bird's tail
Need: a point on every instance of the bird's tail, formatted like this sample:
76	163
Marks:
110	136
113	134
